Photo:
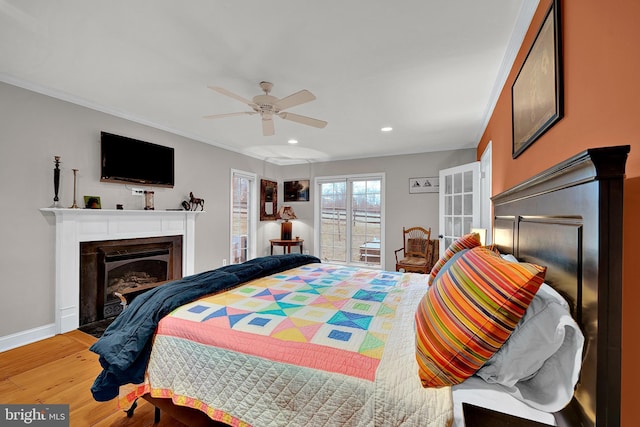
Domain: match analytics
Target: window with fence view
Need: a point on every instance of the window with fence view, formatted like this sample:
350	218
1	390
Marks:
240	218
351	220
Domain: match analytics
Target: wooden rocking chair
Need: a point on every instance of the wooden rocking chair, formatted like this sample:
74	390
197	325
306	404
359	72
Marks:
417	251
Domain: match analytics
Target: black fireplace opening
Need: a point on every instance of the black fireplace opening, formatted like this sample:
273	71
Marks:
129	271
112	266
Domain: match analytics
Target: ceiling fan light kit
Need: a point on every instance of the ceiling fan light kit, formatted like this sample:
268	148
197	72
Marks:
268	105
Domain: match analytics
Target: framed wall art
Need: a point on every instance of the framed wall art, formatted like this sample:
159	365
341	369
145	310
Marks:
296	191
92	202
424	185
268	200
537	92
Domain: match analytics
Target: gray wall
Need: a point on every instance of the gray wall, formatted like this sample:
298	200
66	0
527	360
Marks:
34	128
401	208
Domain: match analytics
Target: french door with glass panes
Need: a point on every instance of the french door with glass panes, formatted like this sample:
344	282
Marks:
350	219
243	217
459	202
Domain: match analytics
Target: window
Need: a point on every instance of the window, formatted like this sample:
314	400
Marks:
243	217
333	221
350	219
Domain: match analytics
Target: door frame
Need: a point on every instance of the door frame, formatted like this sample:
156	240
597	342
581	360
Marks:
252	211
318	181
473	167
486	211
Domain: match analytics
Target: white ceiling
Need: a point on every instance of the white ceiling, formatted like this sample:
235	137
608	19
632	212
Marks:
431	69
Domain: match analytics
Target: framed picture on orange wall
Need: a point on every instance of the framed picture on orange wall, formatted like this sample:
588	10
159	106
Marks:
537	92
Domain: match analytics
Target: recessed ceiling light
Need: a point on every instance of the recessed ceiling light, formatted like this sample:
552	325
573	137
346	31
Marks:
386	129
293	141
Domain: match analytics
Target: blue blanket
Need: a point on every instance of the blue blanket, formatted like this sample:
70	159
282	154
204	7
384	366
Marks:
125	347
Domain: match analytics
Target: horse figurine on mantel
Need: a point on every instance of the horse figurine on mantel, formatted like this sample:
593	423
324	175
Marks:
194	202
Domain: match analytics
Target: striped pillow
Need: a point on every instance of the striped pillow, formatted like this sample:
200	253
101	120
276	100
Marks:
467	241
469	312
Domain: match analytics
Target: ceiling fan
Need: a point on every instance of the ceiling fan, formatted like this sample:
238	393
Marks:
268	106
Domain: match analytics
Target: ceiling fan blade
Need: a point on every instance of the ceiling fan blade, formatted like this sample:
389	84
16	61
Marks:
267	127
297	98
303	120
231	94
219	116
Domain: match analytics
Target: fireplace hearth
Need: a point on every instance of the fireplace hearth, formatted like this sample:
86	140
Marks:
112	266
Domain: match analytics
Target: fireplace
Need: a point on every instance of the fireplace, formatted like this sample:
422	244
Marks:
111	266
76	226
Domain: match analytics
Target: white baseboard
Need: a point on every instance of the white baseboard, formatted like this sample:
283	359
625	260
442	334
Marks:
27	337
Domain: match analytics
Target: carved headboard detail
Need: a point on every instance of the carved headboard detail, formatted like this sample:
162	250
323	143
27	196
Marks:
569	218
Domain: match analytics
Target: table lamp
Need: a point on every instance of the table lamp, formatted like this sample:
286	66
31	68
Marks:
286	213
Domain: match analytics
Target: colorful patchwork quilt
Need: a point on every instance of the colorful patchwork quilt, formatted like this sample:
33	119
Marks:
316	345
324	317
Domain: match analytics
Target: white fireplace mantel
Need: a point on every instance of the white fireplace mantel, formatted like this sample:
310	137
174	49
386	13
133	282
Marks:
86	225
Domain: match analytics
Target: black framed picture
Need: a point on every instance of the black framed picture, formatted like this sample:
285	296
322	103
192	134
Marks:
537	92
296	191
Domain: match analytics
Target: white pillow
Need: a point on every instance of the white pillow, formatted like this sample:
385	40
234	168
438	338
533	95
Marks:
540	362
509	257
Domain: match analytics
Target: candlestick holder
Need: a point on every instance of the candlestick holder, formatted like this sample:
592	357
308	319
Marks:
56	182
74	205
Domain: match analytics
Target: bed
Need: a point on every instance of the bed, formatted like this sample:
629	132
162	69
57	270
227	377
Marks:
316	344
568	218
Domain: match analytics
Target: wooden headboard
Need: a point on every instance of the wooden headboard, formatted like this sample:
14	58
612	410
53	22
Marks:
569	218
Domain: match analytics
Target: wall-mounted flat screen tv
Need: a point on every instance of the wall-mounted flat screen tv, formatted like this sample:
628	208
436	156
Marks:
127	160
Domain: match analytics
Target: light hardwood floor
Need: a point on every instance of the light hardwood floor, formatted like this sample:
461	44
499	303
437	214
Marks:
61	369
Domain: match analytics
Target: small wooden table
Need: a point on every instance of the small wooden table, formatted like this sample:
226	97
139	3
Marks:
370	252
287	244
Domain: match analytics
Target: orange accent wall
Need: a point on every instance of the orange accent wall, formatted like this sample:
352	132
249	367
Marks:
602	108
